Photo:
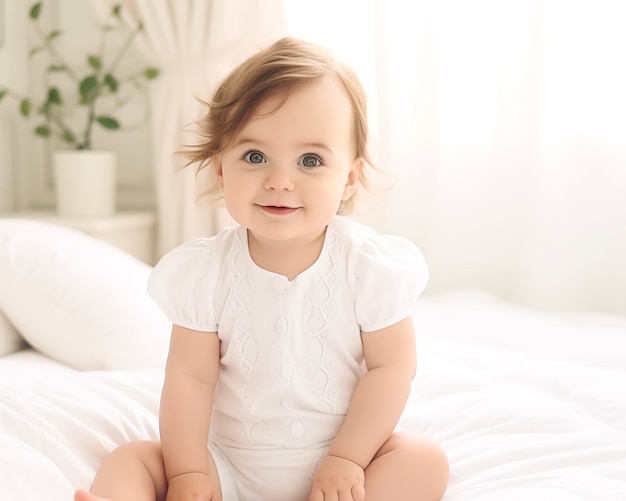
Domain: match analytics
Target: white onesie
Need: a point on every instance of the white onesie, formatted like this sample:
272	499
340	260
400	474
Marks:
291	353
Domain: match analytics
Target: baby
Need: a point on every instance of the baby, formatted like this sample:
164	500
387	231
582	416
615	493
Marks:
292	350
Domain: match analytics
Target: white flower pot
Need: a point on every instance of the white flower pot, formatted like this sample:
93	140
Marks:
85	182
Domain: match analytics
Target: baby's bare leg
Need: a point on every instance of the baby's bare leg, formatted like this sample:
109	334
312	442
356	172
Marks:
132	472
407	467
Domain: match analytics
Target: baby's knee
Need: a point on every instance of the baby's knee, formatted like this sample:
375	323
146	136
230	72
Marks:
425	458
422	449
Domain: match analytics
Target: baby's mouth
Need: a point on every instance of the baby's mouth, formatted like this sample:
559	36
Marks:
278	210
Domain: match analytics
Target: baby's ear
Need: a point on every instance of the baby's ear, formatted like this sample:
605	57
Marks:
217	165
354	176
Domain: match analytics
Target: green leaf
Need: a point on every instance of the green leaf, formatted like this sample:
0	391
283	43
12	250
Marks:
95	62
151	73
35	10
111	82
2	94
25	107
42	131
54	34
54	96
68	136
117	10
108	122
88	89
56	68
34	50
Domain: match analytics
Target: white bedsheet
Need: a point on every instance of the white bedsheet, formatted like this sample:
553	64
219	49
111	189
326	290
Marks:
528	406
57	424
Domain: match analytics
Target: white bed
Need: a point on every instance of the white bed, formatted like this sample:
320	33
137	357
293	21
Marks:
528	405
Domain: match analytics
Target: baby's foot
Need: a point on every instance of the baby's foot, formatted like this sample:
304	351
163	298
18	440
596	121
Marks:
85	496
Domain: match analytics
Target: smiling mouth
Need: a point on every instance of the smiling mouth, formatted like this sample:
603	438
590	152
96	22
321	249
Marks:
276	210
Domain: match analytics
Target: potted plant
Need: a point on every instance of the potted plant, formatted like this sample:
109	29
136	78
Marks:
68	114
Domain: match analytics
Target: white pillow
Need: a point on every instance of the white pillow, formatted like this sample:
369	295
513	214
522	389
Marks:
79	300
10	339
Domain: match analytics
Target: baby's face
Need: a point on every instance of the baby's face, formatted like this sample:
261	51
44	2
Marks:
287	171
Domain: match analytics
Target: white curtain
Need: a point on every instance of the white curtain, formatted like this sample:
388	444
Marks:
194	43
503	123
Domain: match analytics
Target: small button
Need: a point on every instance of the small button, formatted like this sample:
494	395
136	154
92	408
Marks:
258	433
297	429
281	326
288	404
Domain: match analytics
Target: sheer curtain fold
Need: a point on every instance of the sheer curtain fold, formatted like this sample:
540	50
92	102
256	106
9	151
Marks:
454	134
523	193
195	43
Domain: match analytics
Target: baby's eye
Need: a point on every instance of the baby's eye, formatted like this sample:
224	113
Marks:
310	161
254	157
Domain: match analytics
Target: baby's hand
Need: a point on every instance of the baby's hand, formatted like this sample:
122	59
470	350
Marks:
338	479
194	486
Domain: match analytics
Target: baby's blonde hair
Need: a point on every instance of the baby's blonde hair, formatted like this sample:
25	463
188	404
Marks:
276	70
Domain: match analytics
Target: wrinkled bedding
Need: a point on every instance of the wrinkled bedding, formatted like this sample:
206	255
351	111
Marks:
528	405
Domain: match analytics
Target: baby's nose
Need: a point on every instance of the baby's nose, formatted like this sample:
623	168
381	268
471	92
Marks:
279	179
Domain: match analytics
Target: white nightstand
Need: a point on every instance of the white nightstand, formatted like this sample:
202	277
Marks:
133	232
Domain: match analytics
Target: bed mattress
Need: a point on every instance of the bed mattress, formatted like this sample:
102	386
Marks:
528	406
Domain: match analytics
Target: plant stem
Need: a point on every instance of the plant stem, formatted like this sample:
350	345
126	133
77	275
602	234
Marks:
54	119
124	49
57	121
11	92
86	143
91	114
54	53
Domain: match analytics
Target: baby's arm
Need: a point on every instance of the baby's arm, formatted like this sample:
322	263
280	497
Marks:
381	395
376	406
190	377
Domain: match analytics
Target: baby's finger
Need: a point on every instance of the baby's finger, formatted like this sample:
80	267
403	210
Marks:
345	494
358	493
332	495
316	495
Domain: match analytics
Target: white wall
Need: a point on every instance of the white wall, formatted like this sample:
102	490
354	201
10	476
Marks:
13	73
25	171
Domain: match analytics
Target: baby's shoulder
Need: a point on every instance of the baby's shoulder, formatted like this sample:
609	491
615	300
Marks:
388	273
196	259
184	281
359	242
204	248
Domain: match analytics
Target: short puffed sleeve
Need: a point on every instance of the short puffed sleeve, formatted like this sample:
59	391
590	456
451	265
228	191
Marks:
183	284
390	274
